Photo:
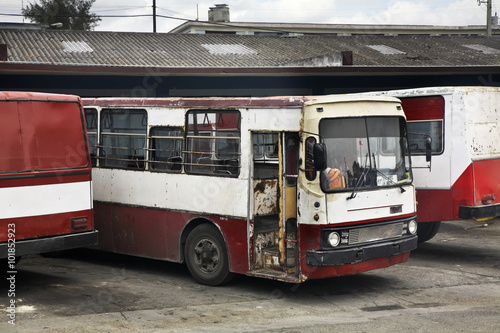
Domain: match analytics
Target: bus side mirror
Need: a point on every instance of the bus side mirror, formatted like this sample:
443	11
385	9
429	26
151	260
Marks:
319	156
428	148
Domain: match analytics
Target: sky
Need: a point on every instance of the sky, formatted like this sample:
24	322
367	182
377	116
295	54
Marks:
175	12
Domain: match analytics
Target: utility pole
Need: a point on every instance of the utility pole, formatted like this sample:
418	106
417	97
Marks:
488	15
154	15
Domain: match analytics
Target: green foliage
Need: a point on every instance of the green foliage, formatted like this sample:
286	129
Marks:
73	14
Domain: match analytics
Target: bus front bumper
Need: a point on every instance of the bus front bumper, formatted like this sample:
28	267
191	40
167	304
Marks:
48	244
361	253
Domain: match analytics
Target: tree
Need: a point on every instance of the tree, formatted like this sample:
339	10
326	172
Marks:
73	14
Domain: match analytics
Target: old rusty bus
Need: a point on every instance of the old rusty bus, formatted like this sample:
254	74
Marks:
463	179
45	175
248	185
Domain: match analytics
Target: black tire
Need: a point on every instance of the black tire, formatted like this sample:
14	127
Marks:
427	230
206	256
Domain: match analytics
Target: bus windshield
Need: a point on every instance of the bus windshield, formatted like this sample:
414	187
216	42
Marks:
364	153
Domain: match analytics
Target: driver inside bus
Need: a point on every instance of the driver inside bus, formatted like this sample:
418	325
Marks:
333	177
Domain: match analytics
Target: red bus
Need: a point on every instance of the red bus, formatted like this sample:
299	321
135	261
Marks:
45	175
463	179
245	185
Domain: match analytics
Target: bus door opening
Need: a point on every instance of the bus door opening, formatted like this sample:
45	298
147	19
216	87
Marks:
274	201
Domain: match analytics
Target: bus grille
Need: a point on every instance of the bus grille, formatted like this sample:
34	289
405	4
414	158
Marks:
371	234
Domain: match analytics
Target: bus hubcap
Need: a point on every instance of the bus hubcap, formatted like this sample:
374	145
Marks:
206	255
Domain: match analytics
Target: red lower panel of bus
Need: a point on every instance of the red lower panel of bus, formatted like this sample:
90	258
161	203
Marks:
157	234
487	180
160	234
47	225
480	179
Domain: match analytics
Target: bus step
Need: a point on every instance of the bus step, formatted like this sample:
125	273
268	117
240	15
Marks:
272	257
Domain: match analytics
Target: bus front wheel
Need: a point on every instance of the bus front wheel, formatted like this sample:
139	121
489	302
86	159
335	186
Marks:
427	230
206	256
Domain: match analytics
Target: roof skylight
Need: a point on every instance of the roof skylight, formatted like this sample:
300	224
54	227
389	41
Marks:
482	48
229	49
384	49
76	47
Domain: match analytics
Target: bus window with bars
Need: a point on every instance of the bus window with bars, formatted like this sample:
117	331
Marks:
165	149
213	142
123	138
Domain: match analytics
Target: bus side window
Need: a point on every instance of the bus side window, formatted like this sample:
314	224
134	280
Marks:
265	154
213	142
91	120
418	132
165	149
123	138
425	117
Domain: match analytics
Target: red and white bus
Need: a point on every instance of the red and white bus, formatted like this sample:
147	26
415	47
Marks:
45	175
238	185
463	181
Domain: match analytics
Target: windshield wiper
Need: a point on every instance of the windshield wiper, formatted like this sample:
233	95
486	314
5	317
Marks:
364	173
360	179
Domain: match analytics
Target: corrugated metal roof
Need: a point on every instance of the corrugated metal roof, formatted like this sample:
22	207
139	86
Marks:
236	51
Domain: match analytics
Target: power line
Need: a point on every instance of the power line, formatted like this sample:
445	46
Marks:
116	16
118	9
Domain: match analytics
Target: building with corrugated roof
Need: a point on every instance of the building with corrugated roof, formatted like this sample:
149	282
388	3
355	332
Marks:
154	64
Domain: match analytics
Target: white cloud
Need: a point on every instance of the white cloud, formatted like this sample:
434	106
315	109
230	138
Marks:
464	12
419	12
318	11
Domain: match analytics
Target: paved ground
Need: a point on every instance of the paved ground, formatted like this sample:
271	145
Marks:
450	284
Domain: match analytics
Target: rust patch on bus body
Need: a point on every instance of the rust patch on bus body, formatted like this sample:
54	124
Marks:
265	196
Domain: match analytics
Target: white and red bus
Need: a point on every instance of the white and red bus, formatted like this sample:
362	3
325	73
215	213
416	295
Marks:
463	180
45	175
238	185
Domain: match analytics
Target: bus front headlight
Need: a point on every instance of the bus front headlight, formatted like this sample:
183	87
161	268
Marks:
333	239
412	227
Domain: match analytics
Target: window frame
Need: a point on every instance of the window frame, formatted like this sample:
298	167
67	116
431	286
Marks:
93	157
425	109
120	162
424	134
175	166
203	143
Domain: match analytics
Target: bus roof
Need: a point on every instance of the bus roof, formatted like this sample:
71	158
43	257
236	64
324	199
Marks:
220	102
430	91
24	95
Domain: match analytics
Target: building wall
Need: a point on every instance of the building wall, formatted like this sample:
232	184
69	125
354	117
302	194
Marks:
190	86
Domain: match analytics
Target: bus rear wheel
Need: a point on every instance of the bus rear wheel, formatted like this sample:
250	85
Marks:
427	230
206	256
